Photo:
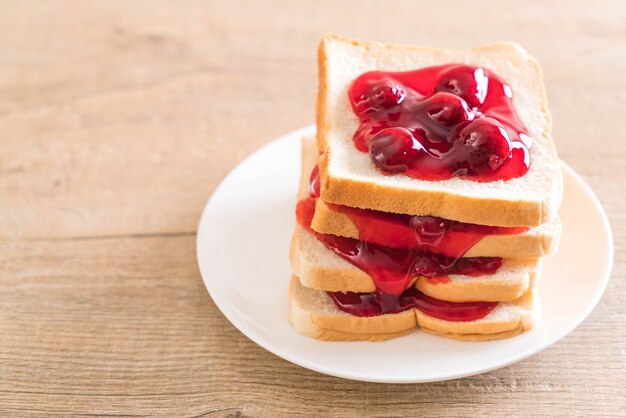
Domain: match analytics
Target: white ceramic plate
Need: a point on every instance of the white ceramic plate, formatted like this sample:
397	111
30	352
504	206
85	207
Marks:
242	249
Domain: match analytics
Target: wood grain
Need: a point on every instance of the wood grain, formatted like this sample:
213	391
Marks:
118	119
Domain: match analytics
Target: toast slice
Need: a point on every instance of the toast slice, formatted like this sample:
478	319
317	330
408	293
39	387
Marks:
533	243
319	268
349	178
313	313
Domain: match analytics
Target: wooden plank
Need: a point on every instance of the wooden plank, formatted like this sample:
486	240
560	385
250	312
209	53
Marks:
125	326
129	127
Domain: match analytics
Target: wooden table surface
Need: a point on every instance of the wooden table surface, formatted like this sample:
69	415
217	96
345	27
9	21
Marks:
118	120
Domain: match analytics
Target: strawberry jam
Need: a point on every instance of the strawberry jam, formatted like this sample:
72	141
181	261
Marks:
314	183
440	122
393	269
372	304
429	233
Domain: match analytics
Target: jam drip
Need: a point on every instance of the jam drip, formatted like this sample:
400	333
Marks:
314	183
440	122
393	269
372	304
429	233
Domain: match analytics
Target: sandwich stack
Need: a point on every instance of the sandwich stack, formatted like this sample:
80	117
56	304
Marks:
429	195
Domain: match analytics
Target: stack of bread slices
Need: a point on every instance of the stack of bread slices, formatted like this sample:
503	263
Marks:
355	221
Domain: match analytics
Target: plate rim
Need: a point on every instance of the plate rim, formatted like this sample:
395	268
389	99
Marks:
285	353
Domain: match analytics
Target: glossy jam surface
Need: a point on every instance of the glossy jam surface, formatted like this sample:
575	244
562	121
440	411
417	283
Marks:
393	269
314	183
429	233
372	304
440	122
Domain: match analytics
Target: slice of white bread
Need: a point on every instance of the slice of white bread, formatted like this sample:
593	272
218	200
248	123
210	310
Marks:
313	313
349	178
320	268
535	242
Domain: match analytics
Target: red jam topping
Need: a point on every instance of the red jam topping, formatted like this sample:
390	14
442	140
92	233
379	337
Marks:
372	304
314	183
440	122
393	269
437	235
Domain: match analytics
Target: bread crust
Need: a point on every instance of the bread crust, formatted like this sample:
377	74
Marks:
477	210
478	337
477	291
465	208
334	325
